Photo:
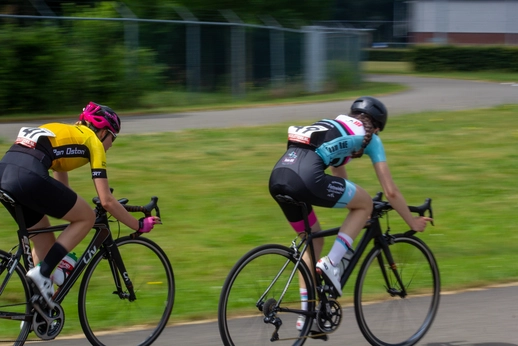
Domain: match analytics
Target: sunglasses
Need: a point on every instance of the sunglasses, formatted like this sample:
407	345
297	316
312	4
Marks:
114	136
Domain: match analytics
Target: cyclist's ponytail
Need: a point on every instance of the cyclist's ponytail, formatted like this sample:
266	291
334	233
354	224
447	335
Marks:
369	130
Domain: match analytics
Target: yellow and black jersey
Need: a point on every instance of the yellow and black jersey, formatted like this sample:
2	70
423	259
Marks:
68	146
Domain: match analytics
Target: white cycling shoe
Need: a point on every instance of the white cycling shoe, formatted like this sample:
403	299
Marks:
332	273
43	284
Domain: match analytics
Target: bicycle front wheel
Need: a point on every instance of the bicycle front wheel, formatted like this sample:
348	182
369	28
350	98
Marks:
391	312
108	316
14	302
262	292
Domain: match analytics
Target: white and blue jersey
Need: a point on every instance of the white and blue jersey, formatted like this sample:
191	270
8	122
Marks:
300	173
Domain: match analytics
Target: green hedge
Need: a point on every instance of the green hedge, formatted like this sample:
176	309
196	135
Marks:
450	58
387	54
462	58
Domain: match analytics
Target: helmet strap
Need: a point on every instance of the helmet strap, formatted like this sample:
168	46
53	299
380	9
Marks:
105	136
96	130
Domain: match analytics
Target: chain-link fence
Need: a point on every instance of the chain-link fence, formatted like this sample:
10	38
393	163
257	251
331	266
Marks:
197	56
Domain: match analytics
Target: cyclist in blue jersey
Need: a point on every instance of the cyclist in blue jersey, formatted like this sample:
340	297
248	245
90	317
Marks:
300	173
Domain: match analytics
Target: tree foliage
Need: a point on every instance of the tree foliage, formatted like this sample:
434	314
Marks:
55	66
287	11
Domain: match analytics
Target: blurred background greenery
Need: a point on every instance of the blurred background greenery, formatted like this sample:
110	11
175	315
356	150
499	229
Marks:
163	55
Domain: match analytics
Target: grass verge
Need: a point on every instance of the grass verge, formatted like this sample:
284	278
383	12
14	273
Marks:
213	194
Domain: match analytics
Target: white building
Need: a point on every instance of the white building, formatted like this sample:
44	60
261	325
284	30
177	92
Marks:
463	22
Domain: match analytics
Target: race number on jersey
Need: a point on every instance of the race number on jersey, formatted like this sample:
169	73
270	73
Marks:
28	136
302	134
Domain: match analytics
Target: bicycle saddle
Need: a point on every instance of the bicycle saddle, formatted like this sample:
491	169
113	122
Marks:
4	196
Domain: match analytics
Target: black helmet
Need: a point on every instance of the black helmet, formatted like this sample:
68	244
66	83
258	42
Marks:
373	107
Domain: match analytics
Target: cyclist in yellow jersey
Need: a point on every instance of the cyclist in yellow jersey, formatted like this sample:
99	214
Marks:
24	173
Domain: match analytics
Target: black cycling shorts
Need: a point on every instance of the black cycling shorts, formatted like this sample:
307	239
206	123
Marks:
300	174
27	180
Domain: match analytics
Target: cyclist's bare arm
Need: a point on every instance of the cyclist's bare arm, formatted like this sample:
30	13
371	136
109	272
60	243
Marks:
396	199
110	203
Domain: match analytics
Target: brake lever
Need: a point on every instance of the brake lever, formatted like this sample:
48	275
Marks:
430	211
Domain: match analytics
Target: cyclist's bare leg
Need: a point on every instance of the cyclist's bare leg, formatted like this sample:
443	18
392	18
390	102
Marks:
360	208
81	218
41	242
318	244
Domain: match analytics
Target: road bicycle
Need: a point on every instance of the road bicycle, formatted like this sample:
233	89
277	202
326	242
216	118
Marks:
396	295
126	294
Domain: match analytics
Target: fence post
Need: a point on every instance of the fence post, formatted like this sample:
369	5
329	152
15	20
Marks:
193	50
42	8
277	58
131	33
238	55
314	58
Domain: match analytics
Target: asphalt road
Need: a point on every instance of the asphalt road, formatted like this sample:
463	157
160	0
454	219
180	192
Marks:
484	317
425	94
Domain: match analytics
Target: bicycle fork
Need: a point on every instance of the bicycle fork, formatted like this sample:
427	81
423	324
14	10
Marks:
384	243
119	270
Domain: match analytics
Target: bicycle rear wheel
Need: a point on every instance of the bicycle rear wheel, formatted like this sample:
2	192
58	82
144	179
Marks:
108	318
14	301
256	284
385	316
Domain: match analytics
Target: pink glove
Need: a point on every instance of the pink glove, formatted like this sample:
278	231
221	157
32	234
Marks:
146	224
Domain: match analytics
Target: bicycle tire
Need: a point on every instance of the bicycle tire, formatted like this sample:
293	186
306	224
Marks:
241	321
107	319
389	320
14	299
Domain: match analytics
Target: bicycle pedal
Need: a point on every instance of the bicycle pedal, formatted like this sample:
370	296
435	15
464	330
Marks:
35	299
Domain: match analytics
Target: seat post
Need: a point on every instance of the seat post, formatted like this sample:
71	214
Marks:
20	219
305	215
5	197
23	233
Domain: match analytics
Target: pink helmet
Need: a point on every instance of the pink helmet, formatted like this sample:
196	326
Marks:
101	117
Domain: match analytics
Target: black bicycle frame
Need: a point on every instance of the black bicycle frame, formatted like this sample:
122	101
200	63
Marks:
101	238
373	231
